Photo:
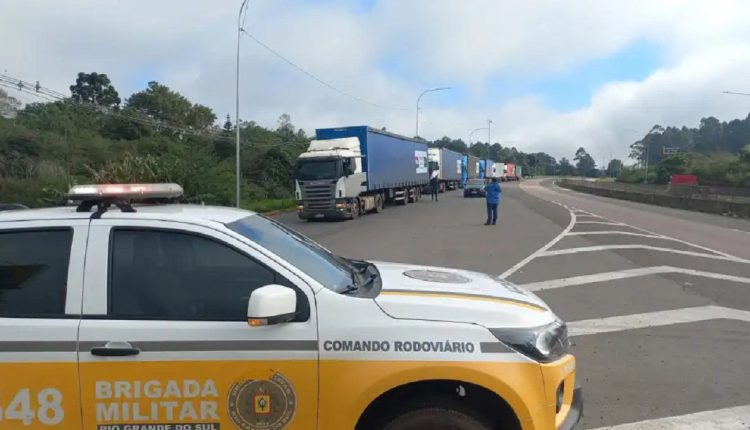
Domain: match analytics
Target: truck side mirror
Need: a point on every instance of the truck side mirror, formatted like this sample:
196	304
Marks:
348	167
271	304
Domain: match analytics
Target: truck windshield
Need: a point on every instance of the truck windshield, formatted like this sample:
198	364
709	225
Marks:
331	271
313	170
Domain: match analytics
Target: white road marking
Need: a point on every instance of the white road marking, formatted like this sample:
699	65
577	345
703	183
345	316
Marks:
684	242
626	233
628	273
637	246
655	319
736	418
602	223
541	250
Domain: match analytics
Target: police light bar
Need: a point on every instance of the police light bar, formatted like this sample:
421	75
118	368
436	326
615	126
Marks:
124	191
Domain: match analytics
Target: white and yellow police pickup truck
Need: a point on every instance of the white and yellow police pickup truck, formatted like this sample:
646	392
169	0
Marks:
116	316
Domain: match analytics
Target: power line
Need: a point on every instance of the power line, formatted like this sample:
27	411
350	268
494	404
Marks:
52	96
314	77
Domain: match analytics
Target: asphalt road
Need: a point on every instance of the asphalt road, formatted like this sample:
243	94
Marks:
657	299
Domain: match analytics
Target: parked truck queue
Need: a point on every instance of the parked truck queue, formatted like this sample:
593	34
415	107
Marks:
350	171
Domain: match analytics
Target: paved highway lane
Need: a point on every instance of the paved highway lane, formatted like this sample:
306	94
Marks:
658	302
445	233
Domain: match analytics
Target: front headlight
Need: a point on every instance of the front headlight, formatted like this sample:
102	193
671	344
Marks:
544	344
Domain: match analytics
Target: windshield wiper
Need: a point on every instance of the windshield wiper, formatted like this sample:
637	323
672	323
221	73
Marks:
349	289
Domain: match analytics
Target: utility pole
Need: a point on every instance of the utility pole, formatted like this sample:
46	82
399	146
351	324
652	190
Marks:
645	178
237	108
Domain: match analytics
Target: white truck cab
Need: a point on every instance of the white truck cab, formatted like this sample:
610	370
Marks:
122	316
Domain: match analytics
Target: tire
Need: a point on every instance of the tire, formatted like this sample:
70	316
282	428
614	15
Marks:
406	196
378	204
437	418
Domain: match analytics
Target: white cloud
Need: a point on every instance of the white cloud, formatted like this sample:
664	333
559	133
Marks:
387	55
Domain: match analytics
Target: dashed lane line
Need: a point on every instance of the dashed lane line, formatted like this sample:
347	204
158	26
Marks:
596	248
736	418
628	273
655	319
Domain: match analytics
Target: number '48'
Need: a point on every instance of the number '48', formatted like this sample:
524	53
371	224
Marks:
49	412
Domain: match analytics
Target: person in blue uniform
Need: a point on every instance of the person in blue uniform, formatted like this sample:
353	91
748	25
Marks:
493	201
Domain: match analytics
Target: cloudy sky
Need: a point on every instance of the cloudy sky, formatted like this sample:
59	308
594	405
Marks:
552	75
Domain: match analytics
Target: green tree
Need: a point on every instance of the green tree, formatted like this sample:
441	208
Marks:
228	127
565	168
457	145
745	154
585	164
614	167
160	103
95	88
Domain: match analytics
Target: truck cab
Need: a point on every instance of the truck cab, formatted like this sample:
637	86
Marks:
328	176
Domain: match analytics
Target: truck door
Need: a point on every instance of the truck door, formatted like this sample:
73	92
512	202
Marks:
41	269
165	338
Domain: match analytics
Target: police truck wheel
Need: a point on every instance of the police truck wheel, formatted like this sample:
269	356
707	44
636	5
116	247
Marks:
436	418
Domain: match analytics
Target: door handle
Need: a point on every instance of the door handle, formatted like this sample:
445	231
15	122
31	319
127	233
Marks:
115	349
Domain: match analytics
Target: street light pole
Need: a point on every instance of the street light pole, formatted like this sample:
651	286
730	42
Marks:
489	132
237	108
471	135
429	90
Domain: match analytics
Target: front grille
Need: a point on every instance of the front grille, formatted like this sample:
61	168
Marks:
318	197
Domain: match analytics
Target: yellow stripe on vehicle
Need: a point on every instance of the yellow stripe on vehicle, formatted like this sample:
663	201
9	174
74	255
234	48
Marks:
445	295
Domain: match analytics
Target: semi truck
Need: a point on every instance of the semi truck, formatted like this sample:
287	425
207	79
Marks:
482	164
349	171
447	164
470	165
499	171
510	172
489	169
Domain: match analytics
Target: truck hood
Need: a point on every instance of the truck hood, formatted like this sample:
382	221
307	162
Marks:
441	294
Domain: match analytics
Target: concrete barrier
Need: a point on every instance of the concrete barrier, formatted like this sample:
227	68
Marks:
680	202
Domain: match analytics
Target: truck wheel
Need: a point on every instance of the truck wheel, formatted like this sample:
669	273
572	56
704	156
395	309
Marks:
378	204
437	418
407	196
355	209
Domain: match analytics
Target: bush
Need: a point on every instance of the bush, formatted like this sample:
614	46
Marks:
269	205
34	192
